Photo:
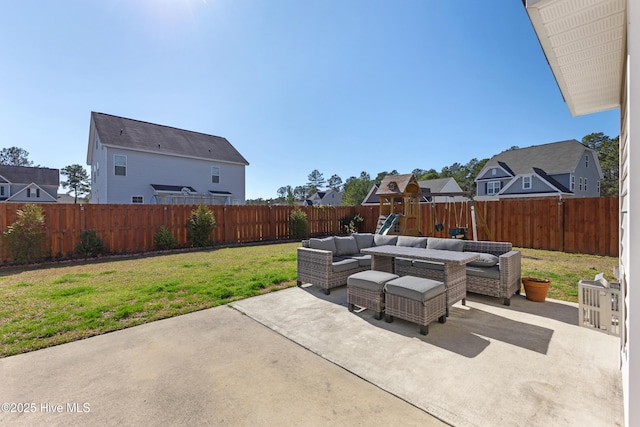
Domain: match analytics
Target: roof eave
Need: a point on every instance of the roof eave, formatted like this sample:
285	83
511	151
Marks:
585	48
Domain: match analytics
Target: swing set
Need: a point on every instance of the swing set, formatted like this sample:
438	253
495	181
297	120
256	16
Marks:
460	215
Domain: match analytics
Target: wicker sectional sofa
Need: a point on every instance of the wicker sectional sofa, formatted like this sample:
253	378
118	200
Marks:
328	262
497	273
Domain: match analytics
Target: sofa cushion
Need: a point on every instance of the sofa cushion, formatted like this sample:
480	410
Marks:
340	264
445	244
326	244
412	242
371	280
345	245
363	240
414	288
419	263
485	260
381	240
363	260
485	272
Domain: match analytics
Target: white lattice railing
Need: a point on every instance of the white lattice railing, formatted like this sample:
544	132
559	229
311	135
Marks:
599	306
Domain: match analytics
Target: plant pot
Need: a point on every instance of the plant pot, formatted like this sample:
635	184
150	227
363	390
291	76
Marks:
536	289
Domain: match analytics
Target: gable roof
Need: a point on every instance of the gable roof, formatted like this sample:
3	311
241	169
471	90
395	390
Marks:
32	186
27	175
137	135
553	158
437	185
397	184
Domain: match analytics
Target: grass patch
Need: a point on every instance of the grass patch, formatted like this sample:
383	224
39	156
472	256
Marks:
51	305
565	270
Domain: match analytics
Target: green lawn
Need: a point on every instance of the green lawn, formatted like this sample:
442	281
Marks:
50	305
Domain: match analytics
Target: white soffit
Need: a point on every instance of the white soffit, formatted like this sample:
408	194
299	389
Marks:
584	42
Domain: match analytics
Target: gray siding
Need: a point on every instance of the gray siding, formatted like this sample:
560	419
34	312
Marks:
590	173
537	186
144	169
482	185
500	173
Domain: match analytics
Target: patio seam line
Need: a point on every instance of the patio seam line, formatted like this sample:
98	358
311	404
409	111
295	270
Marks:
338	365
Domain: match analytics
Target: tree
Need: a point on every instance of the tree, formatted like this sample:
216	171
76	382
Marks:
14	156
77	181
335	183
608	150
430	174
316	182
356	189
300	193
381	176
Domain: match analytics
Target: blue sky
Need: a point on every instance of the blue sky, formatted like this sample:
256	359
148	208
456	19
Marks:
340	86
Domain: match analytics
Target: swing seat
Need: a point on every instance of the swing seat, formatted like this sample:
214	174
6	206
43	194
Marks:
439	227
458	232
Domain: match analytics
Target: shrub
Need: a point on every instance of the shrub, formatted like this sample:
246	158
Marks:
90	244
351	223
200	226
297	224
24	238
163	239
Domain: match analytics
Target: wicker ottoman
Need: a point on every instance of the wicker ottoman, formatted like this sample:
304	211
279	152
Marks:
366	289
417	300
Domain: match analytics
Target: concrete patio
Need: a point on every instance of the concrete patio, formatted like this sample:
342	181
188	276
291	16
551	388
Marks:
488	365
299	357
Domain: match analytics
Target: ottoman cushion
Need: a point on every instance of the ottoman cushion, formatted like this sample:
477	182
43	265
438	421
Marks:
371	280
414	288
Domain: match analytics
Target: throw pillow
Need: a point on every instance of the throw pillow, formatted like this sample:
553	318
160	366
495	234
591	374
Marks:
381	240
326	244
346	246
412	242
445	244
485	260
363	240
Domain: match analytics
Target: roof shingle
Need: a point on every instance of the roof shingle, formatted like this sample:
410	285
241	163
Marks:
144	136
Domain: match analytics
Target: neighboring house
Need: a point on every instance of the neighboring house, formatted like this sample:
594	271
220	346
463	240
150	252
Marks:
28	184
328	197
593	49
441	190
139	162
560	169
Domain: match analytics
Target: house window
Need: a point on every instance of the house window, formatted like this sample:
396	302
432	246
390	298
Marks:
494	171
137	199
526	182
215	174
2	190
573	183
38	193
598	187
585	184
120	163
586	160
28	192
493	187
580	184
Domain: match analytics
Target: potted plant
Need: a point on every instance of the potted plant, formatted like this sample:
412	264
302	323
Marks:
535	288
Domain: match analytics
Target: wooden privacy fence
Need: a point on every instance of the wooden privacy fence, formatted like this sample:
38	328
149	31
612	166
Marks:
587	226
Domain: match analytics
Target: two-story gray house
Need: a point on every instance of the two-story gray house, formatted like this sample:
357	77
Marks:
139	162
28	184
560	169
